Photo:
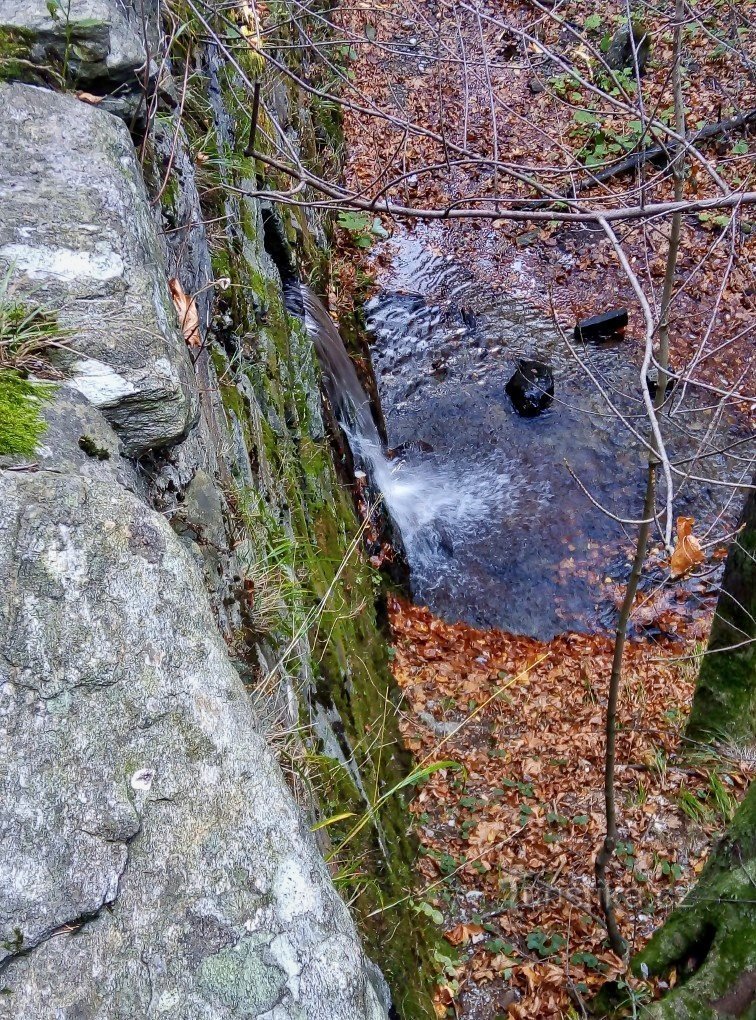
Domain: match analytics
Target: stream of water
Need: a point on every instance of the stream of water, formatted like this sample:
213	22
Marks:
496	531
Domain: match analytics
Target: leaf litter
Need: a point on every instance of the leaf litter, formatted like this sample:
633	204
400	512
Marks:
508	844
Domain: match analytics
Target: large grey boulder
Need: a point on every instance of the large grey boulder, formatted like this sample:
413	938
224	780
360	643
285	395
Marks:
153	862
77	235
90	45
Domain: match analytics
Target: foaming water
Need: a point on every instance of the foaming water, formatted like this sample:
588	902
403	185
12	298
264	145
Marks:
437	508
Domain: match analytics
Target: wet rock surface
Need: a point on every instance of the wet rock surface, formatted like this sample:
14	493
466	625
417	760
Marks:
605	326
531	388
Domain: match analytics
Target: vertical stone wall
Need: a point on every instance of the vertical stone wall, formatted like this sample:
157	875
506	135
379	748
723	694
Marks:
179	562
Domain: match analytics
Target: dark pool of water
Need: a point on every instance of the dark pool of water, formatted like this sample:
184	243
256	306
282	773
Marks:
503	536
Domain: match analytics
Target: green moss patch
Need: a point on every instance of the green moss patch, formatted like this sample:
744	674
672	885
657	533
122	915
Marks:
21	422
15	50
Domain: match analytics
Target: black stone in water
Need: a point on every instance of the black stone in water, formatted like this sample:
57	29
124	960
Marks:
411	445
653	386
602	327
531	388
468	318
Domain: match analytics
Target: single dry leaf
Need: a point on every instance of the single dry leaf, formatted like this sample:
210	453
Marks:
187	313
464	933
687	552
88	97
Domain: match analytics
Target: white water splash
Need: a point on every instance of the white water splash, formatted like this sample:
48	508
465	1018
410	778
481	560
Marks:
437	509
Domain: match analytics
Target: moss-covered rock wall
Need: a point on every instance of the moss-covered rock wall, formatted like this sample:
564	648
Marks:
252	488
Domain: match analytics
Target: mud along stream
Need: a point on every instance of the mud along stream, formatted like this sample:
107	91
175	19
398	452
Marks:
497	532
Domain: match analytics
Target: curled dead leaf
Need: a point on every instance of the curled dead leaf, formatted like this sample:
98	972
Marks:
442	999
89	97
187	313
687	552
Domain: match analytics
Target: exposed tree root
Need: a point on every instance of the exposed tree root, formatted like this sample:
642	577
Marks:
709	942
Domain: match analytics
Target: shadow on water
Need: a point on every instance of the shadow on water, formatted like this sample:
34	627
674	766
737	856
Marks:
497	532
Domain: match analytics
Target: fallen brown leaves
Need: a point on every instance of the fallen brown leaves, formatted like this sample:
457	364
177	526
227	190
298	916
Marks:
508	850
568	270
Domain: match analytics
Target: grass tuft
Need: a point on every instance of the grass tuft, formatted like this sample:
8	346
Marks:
27	332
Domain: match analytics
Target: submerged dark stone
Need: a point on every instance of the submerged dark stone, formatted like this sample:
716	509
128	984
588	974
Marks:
403	449
468	318
653	386
531	388
607	326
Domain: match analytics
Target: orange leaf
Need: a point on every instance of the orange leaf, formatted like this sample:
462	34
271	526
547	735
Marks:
463	933
88	97
687	552
187	313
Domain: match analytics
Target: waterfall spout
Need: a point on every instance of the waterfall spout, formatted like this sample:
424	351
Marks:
437	508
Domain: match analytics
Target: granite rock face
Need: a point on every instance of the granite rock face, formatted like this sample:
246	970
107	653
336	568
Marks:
153	861
96	46
78	440
77	235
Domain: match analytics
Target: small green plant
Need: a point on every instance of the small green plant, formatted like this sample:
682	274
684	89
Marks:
544	944
626	854
692	806
363	228
423	907
639	795
273	593
586	960
526	789
499	946
27	332
447	864
447	967
60	11
712	221
660	765
723	802
672	870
